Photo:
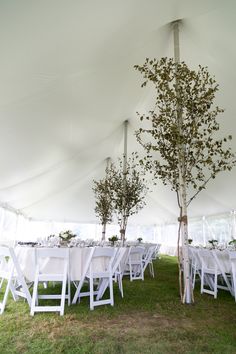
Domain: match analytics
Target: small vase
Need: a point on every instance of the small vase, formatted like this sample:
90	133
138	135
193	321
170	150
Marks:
63	243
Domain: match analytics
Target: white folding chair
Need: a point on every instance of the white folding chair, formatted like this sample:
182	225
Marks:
118	269
232	257
117	273
135	263
11	272
83	279
100	268
147	260
224	277
156	253
61	258
209	272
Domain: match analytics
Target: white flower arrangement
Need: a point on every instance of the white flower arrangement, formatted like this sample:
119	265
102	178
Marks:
66	235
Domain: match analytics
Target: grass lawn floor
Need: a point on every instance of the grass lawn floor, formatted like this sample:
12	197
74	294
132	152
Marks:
150	319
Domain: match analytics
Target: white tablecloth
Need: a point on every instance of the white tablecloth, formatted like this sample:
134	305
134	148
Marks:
77	261
223	258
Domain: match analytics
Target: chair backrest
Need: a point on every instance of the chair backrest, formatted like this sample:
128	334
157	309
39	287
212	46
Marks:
136	254
58	260
104	252
52	253
137	250
117	262
207	259
149	253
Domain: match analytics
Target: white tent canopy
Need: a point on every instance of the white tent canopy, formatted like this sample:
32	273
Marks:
68	84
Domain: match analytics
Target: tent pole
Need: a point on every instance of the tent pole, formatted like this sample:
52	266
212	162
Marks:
123	223
108	161
204	230
125	147
234	225
176	41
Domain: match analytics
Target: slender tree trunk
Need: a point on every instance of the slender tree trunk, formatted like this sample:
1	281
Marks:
104	232
187	293
123	229
122	236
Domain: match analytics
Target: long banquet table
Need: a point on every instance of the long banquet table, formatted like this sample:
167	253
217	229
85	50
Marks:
77	261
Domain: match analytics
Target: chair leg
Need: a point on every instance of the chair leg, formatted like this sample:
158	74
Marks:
202	281
63	296
91	292
34	300
69	292
151	269
215	286
142	272
194	277
120	285
111	290
130	272
5	296
14	295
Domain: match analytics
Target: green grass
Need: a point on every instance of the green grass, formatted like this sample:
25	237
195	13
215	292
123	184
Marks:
150	319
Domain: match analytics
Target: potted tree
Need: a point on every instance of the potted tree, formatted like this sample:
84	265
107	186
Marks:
178	138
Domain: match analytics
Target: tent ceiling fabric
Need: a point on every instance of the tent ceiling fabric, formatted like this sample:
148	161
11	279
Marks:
68	84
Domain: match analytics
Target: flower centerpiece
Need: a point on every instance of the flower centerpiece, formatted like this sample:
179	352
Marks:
113	239
190	241
139	239
233	243
213	243
66	236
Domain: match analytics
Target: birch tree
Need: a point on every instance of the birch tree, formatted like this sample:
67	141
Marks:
103	203
180	139
129	197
